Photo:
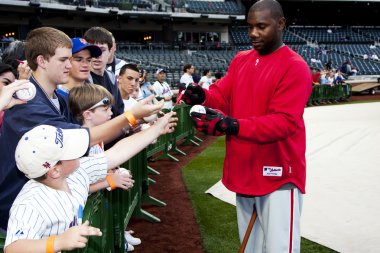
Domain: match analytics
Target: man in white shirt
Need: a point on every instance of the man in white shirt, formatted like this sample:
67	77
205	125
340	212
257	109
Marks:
206	79
187	77
162	89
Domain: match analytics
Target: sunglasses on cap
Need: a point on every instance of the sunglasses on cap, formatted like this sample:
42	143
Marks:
104	102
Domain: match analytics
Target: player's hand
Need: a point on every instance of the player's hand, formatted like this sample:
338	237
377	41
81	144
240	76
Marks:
215	122
194	95
145	108
24	71
6	95
75	237
166	123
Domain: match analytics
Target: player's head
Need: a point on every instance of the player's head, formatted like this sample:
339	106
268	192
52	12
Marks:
44	42
266	23
45	147
90	104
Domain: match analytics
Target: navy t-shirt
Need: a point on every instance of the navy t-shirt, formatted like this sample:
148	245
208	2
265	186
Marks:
17	121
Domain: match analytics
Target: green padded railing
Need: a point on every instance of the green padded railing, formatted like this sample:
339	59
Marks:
327	93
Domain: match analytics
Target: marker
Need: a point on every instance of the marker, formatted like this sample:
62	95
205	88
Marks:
19	61
178	99
80	214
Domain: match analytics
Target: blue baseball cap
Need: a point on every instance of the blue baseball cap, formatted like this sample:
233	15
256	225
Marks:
79	44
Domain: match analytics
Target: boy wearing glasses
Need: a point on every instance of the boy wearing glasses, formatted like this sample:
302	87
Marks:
91	106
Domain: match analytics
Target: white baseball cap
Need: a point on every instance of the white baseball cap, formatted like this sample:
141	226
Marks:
44	146
160	70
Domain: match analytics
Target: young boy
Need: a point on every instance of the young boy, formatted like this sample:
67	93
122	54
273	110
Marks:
91	106
44	213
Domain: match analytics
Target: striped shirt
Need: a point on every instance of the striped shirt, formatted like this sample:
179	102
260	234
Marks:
40	211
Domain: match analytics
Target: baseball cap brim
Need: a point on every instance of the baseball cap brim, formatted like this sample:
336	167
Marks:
95	51
77	142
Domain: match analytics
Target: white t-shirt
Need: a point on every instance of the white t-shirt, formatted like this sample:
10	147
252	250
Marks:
40	211
206	82
129	103
186	78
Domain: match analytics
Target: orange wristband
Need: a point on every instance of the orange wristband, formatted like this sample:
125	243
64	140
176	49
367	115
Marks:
130	118
50	244
111	182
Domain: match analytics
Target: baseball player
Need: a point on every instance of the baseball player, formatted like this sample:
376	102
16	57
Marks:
264	94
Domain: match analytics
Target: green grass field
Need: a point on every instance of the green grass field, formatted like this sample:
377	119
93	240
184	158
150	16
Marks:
216	219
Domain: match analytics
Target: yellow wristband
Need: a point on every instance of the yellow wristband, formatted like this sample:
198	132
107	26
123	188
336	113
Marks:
130	118
50	244
111	182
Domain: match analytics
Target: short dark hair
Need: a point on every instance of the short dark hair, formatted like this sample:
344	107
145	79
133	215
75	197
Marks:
15	51
206	71
130	66
218	75
186	67
100	35
6	68
272	5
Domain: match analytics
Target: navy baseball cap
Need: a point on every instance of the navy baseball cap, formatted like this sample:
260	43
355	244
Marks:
79	44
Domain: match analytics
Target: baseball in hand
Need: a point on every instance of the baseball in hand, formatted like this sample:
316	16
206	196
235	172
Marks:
28	93
200	109
150	118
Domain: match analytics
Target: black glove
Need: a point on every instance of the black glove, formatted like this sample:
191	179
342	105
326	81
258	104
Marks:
215	122
194	95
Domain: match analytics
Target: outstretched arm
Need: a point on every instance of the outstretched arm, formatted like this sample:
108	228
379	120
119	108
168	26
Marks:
111	129
73	238
130	146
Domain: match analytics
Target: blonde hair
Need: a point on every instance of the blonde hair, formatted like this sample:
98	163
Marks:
44	41
82	98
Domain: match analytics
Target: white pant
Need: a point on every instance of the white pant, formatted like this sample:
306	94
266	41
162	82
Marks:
277	226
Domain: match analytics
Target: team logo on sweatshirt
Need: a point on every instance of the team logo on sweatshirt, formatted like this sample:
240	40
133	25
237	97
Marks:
270	171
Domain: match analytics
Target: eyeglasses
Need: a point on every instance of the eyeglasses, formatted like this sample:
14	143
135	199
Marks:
104	102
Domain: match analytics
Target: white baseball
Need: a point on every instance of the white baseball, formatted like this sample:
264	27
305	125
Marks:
124	171
198	108
28	93
150	118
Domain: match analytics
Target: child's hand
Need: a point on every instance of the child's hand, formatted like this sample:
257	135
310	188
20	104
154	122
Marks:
122	180
167	123
75	237
144	108
24	71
